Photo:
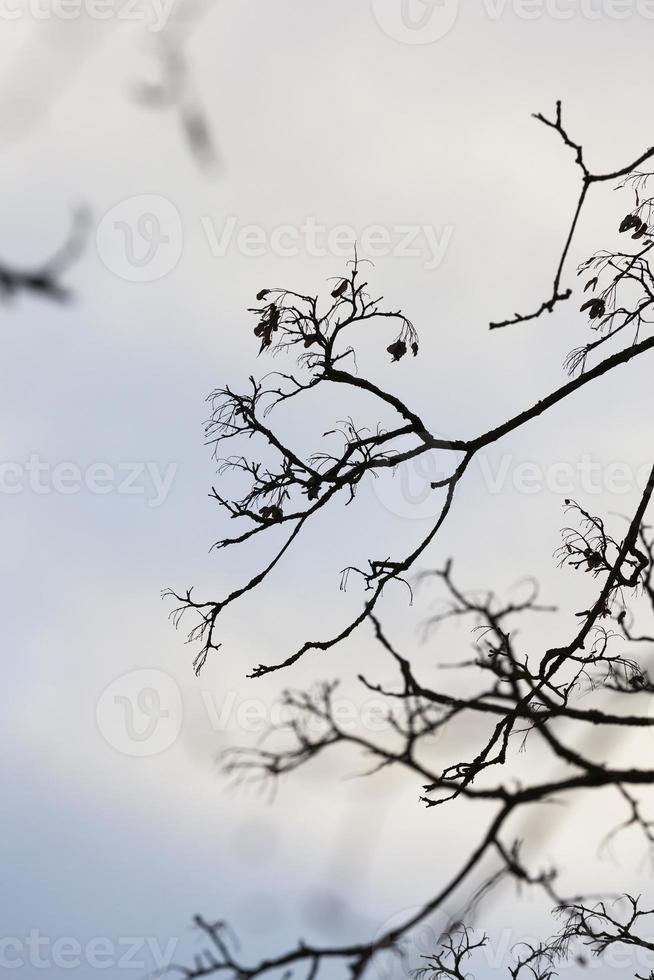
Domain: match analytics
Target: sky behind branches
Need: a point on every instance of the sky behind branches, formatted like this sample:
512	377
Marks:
323	118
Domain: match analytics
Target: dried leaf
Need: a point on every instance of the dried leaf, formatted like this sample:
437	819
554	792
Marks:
267	325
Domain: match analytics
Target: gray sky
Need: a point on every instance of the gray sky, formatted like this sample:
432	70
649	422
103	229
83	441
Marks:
325	116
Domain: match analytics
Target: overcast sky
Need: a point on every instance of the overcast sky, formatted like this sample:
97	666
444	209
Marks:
413	133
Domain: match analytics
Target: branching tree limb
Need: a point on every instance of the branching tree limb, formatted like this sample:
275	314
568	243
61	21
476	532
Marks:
588	179
518	695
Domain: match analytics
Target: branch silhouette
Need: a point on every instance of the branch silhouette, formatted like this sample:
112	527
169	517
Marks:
514	696
45	280
588	179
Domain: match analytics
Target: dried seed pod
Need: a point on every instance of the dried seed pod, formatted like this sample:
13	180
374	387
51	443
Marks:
272	513
629	221
595	307
397	349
